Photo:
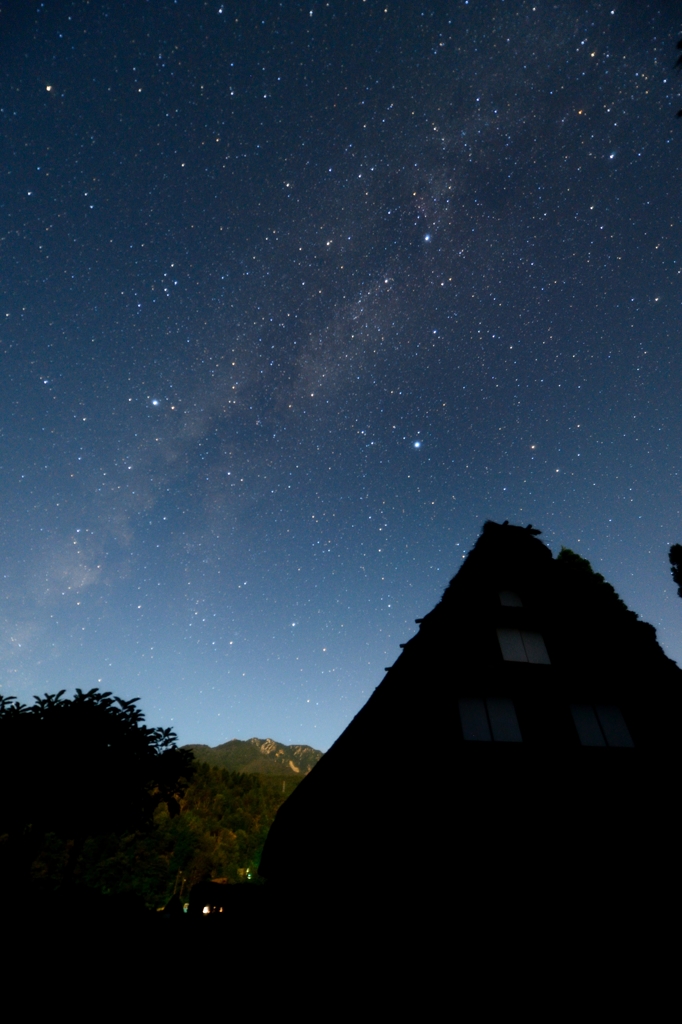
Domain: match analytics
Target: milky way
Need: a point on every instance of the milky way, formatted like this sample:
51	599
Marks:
294	297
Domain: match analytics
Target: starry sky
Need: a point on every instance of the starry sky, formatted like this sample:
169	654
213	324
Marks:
293	297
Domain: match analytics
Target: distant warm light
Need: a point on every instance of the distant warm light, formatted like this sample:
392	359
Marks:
207	910
49	88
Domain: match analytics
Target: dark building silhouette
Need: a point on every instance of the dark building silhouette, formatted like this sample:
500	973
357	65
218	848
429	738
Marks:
518	755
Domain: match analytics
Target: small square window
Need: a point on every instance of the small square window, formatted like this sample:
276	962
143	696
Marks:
523	645
511	645
601	726
613	726
503	721
487	720
472	713
535	648
587	726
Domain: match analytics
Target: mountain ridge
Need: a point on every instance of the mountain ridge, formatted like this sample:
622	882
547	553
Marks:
257	756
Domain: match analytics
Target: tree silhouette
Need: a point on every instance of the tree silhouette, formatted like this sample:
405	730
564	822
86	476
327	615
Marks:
80	767
675	557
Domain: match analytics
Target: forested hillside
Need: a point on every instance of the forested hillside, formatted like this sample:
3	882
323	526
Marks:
96	801
219	833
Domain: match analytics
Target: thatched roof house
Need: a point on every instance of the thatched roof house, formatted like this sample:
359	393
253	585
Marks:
537	717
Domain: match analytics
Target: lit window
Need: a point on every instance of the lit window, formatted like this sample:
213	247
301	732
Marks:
521	645
491	719
600	726
508	599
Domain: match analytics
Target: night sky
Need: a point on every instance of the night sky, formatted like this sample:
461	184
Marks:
292	299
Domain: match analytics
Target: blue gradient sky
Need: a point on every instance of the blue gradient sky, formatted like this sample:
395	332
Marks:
293	298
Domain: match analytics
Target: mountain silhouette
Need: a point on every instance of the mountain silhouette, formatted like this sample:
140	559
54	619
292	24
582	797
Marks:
258	757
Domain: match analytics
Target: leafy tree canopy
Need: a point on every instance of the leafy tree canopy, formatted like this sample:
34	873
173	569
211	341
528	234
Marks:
675	556
82	766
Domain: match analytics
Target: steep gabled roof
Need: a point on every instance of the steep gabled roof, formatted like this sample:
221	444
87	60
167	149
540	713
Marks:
537	650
